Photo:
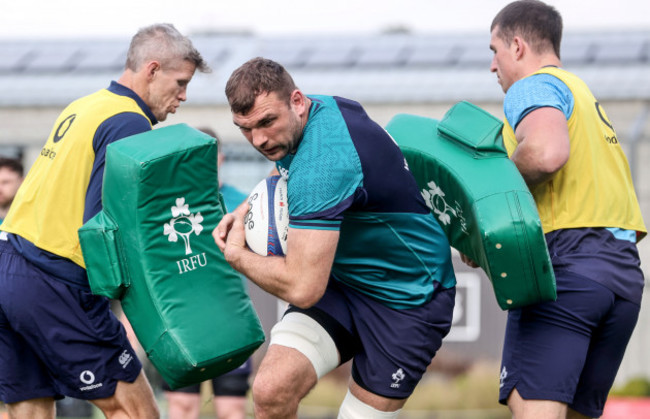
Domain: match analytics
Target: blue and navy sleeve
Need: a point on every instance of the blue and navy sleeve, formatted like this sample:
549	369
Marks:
324	176
115	128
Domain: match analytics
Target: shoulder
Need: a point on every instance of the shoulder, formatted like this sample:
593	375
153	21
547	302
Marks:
120	126
534	92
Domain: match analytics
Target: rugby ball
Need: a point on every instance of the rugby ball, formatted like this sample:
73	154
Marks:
267	221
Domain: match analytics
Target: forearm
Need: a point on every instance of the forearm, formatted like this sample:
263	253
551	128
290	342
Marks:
267	272
275	275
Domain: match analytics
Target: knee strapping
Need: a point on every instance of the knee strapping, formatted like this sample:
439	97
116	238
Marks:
304	334
353	408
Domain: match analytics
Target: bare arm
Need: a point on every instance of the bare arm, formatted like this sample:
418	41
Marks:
299	278
543	145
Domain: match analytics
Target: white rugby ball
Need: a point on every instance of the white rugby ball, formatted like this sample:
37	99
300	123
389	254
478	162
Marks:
267	221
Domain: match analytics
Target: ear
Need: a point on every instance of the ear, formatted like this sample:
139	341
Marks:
518	48
298	102
151	68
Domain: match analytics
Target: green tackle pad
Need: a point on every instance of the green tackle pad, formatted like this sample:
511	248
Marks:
480	199
151	247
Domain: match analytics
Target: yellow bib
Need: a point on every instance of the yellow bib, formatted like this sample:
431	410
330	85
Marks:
594	188
49	206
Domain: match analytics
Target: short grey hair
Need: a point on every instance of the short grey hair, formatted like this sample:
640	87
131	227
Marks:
164	43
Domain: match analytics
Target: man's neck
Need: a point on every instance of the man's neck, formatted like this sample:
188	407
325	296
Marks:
544	60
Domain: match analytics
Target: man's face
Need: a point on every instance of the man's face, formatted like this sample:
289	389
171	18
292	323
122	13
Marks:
273	126
502	62
9	183
168	88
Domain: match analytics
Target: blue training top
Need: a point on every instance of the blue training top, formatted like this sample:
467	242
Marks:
349	175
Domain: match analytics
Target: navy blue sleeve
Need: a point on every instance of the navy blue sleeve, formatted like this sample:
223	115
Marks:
114	128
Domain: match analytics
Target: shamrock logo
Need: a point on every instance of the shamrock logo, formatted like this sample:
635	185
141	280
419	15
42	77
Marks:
435	199
183	223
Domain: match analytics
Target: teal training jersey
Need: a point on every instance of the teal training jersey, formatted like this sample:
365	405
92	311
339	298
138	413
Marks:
348	174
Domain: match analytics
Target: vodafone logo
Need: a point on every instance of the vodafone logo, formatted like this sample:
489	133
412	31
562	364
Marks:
87	377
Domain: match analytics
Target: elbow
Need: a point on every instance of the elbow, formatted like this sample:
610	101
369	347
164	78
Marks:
543	170
303	297
554	160
553	165
548	169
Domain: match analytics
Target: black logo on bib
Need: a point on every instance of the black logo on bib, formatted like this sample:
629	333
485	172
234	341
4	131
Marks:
601	114
64	126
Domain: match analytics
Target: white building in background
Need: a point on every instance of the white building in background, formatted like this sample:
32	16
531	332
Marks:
388	74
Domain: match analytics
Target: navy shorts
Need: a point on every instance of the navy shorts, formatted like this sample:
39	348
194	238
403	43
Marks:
391	349
55	339
233	383
568	350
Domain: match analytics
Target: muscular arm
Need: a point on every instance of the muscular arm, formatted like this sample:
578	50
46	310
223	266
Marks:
299	278
543	145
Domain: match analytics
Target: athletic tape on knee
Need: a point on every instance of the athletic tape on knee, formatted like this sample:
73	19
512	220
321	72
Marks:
304	334
353	408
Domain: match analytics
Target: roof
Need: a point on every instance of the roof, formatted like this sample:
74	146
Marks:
388	68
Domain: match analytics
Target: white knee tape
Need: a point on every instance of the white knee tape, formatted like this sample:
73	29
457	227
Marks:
304	334
353	408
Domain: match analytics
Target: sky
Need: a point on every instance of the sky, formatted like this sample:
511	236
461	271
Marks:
44	19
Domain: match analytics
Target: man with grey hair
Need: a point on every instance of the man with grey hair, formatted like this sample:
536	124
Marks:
57	338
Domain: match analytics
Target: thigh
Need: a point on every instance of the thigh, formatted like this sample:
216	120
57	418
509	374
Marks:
547	345
397	345
23	376
391	348
604	357
72	332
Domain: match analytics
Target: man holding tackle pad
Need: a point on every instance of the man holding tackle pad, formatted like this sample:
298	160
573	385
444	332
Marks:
561	357
57	338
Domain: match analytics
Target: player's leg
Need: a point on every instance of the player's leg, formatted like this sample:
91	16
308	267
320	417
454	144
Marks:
183	403
547	409
546	348
229	407
572	414
301	350
75	341
396	346
230	391
43	408
130	400
605	354
284	377
361	403
26	386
